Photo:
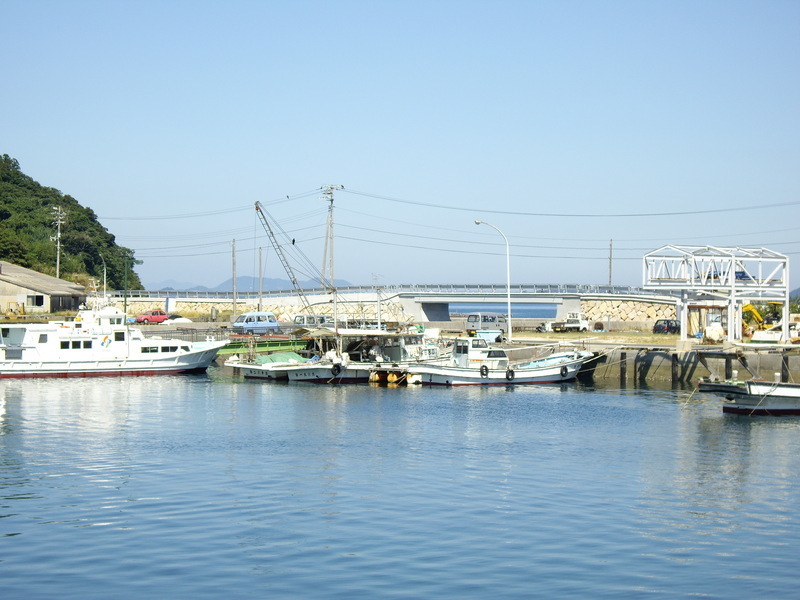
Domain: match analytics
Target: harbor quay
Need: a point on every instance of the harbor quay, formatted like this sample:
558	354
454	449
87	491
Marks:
616	321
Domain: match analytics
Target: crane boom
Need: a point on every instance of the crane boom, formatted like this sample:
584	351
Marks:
282	257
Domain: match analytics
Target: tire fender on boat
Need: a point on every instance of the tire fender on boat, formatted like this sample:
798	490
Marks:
510	374
484	371
564	371
336	369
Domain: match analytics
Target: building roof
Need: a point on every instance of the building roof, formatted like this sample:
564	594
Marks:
38	282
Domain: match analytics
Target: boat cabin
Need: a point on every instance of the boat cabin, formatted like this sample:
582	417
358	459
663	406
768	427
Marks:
476	352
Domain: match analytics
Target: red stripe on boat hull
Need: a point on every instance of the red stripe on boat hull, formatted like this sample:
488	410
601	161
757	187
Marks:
62	374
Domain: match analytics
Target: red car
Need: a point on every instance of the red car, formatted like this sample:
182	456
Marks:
152	316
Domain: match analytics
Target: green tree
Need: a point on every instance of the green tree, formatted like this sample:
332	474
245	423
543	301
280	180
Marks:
27	228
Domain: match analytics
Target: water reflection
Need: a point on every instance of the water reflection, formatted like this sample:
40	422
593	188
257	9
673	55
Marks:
220	481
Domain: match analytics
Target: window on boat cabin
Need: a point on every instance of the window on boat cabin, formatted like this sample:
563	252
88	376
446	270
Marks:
87	344
185	348
119	336
65	345
149	349
42	338
169	348
13	353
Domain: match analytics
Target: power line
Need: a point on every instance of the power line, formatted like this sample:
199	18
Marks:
573	215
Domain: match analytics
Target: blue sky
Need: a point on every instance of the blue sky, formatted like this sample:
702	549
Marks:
565	124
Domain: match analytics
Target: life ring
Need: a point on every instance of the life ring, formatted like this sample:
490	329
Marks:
336	369
484	371
564	371
510	374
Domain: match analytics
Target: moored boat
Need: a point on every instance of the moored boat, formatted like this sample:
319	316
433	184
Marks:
476	363
764	398
97	342
756	397
343	356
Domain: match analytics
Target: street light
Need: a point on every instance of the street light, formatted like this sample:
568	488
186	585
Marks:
508	273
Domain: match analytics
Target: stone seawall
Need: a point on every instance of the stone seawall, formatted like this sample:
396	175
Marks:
626	311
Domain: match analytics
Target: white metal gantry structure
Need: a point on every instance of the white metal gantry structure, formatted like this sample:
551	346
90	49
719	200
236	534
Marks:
732	276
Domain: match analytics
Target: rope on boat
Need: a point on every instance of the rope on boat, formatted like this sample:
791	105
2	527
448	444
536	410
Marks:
763	396
690	395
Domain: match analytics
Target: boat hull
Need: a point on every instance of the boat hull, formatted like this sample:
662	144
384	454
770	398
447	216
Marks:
764	398
330	374
193	362
444	375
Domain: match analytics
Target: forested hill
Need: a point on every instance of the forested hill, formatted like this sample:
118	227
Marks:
27	226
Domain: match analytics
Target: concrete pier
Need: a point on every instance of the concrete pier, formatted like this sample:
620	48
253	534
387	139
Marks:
643	364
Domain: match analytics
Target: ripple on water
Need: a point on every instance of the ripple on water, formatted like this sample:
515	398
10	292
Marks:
210	487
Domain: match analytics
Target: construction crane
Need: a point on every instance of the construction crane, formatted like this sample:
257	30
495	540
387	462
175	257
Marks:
262	215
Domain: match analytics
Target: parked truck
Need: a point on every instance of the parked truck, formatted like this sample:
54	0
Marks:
573	322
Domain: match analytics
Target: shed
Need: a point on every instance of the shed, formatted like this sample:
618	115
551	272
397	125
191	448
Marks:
26	291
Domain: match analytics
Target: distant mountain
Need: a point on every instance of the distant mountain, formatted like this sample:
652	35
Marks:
244	283
172	284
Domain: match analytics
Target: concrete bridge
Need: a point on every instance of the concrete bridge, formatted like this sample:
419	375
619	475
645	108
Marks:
420	303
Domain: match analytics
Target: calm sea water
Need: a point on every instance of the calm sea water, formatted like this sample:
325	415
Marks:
213	487
519	311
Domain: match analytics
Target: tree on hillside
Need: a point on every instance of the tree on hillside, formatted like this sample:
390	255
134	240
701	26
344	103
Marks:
27	228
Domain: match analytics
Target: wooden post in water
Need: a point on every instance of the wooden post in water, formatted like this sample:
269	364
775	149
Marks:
784	367
674	368
728	368
623	367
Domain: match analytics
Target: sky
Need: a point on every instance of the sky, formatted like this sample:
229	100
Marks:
586	133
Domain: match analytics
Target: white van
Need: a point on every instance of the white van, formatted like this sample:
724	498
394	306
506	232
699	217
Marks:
479	321
311	321
256	323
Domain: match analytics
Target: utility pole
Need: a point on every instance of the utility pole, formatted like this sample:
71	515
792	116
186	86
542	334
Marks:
610	255
60	217
233	259
327	253
260	280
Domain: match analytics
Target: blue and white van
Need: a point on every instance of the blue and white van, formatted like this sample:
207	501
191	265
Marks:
256	323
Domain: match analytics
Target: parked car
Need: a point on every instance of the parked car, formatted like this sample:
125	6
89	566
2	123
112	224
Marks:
256	323
152	316
667	326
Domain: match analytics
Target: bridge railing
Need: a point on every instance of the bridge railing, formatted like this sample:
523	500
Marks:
477	288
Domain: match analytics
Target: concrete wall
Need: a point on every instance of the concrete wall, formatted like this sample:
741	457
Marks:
640	365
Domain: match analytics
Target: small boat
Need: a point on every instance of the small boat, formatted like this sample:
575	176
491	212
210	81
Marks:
476	363
265	366
97	342
755	396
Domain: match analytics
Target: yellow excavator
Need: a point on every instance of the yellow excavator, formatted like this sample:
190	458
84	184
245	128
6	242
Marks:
15	310
756	322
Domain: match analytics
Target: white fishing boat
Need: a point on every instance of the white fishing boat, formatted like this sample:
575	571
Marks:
755	396
98	341
474	362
